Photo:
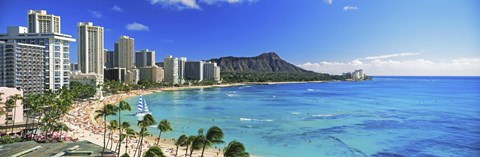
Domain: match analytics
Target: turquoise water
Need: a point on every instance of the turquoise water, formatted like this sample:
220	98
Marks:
388	116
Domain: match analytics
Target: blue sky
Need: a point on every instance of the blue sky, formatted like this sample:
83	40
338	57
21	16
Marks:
415	37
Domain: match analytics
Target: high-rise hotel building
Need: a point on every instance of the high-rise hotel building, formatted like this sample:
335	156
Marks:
170	70
125	52
41	22
90	48
56	51
22	67
145	58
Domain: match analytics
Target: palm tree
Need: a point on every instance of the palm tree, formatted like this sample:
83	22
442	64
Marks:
214	136
188	142
107	110
2	110
180	142
154	151
15	98
144	124
125	125
113	126
129	133
163	126
9	105
121	106
198	141
142	133
235	149
197	144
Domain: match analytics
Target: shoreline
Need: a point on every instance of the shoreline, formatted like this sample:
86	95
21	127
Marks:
93	129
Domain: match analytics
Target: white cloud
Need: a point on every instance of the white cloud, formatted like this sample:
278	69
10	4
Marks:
392	55
212	2
95	13
348	8
328	1
137	27
179	4
388	65
194	4
117	8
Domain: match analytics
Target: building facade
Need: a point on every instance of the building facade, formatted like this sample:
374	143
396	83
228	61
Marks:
115	74
152	74
181	69
22	67
194	70
90	48
144	58
56	53
125	49
211	71
109	59
41	22
170	69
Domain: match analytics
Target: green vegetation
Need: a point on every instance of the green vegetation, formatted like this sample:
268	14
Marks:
277	77
81	91
154	151
122	106
107	110
163	126
235	149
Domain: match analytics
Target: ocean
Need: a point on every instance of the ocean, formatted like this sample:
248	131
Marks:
387	116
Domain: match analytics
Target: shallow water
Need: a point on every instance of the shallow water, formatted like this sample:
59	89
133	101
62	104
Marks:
388	116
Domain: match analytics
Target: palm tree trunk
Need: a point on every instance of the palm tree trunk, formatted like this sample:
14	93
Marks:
186	151
24	135
119	132
111	139
203	150
191	151
126	146
159	134
104	133
13	120
136	148
36	126
176	152
108	139
141	147
6	123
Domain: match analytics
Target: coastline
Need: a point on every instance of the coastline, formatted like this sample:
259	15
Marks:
93	129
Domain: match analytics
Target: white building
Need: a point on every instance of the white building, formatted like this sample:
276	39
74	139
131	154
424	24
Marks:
41	22
22	67
57	53
170	68
194	70
125	52
211	71
90	48
152	74
358	75
181	69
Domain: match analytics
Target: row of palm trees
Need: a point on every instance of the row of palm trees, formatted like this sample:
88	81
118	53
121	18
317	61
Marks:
213	136
45	109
